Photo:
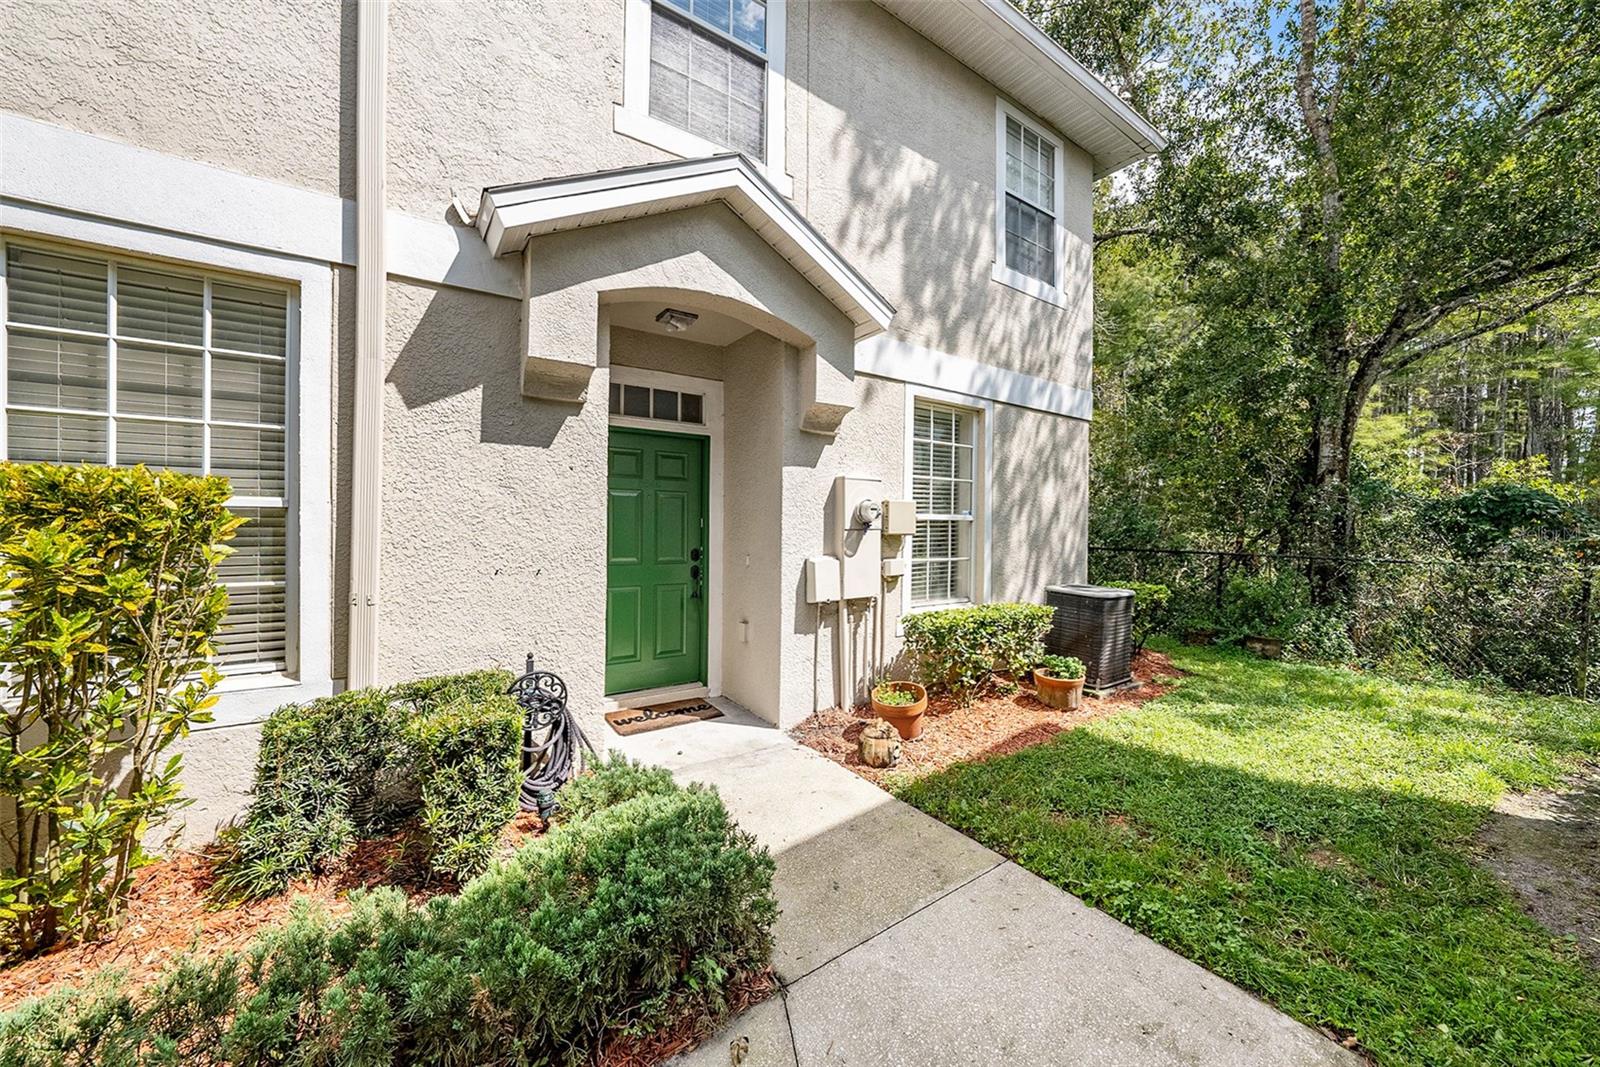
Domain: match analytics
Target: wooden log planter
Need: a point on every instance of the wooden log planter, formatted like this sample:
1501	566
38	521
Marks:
880	745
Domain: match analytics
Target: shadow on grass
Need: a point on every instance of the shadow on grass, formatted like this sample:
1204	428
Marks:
1345	907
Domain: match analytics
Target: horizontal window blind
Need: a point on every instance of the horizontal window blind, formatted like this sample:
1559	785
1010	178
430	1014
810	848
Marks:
121	363
708	73
943	459
1030	220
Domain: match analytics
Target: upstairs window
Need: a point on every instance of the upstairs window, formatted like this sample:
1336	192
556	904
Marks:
1028	232
708	70
122	362
1030	202
705	77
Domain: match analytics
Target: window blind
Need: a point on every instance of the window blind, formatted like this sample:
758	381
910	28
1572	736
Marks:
708	72
943	459
1030	220
121	363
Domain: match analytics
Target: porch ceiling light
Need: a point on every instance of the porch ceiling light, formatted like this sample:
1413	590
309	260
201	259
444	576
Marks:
676	320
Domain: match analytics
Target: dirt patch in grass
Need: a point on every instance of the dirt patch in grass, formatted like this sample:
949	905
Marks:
1545	846
994	725
169	913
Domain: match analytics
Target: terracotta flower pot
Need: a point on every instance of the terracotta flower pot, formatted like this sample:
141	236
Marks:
1063	693
1265	647
906	718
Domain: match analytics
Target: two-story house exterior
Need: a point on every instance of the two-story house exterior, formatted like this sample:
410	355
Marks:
550	325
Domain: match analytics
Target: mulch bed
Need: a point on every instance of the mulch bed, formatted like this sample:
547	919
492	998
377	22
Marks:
991	726
169	913
652	1049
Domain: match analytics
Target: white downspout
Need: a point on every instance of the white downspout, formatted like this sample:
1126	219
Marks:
366	493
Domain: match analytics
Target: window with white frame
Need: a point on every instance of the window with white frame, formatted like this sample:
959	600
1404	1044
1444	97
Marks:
118	361
944	458
708	70
1028	208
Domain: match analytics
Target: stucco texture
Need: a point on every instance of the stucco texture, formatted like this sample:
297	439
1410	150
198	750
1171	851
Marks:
257	86
493	504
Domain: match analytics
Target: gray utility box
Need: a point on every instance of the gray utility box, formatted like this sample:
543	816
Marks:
1095	624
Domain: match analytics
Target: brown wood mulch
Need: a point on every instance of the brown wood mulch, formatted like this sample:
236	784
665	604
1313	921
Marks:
993	725
689	1032
169	913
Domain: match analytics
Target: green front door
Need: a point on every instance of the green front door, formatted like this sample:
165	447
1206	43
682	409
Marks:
655	560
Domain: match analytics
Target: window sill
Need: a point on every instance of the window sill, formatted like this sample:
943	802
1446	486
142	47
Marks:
1050	294
249	698
657	134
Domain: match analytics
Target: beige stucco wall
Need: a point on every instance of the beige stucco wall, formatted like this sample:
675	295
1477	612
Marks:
891	142
257	86
493	504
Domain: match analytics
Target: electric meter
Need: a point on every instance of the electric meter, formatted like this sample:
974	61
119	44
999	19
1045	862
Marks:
867	512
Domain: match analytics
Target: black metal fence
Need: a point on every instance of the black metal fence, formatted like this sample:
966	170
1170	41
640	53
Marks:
1527	624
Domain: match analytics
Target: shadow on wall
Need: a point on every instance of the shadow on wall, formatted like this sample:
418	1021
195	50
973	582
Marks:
929	231
463	341
449	342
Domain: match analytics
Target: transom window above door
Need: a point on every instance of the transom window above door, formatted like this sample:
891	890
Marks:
708	70
664	405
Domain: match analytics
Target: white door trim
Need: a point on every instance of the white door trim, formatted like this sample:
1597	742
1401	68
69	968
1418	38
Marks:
712	430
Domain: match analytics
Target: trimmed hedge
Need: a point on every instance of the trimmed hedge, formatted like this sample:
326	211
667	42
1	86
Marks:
640	913
959	649
467	757
354	765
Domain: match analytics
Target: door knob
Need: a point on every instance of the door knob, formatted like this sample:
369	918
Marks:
694	572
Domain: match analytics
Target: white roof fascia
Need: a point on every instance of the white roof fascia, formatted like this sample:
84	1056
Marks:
1028	52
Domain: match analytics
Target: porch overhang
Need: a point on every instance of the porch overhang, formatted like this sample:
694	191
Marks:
510	215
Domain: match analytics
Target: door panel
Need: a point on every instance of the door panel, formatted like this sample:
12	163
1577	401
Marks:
656	588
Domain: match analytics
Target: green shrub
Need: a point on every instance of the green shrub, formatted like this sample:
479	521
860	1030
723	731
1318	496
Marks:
348	766
425	693
1322	635
959	649
316	790
467	756
1151	602
622	922
611	783
1262	605
111	602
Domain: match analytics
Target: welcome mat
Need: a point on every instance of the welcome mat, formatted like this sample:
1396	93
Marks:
627	721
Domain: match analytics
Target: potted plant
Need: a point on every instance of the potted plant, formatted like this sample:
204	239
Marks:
1059	680
901	704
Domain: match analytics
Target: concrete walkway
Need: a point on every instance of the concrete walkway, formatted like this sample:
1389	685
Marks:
905	943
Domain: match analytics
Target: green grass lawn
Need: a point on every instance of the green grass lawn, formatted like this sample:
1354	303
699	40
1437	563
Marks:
1305	833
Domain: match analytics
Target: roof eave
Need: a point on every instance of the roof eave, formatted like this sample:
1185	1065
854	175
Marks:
1137	138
